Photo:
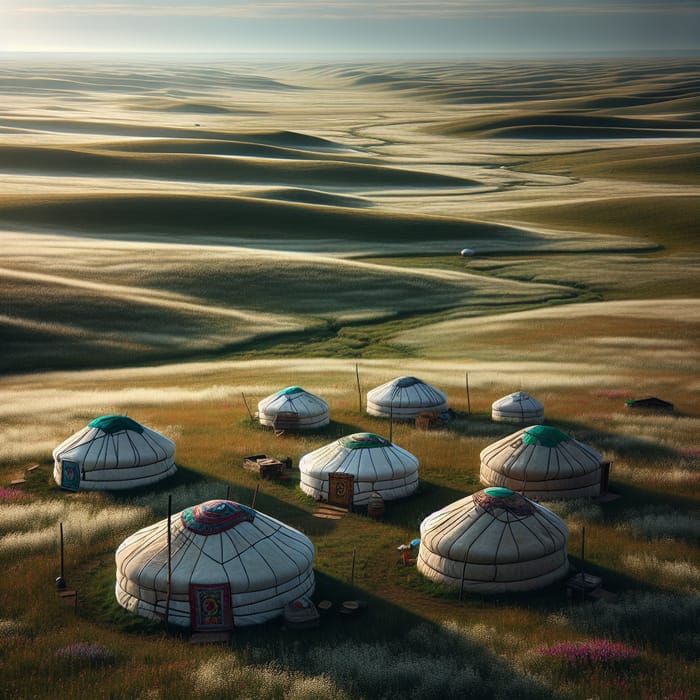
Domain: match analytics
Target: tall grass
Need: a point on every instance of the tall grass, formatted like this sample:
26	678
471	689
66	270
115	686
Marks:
30	528
658	523
681	572
224	675
663	620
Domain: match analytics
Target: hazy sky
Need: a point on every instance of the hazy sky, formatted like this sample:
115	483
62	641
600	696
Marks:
363	27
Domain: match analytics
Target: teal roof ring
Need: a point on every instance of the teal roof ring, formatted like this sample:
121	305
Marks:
498	492
363	441
546	435
115	423
290	390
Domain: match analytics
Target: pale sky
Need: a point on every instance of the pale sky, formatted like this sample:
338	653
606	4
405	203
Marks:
353	27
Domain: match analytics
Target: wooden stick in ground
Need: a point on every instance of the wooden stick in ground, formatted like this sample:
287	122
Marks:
469	403
60	526
170	555
247	408
583	574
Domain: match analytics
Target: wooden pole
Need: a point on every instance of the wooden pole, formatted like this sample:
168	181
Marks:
247	408
469	403
228	492
359	388
170	555
352	571
60	526
255	495
583	575
461	584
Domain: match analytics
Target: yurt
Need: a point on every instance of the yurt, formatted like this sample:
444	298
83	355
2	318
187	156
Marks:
293	408
404	398
376	465
494	541
113	452
229	566
519	408
542	462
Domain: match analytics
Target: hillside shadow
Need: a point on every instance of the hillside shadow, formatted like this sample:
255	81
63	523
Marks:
188	487
411	511
332	431
635	496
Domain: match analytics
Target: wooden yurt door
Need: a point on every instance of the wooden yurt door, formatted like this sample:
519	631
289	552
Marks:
341	490
70	476
210	608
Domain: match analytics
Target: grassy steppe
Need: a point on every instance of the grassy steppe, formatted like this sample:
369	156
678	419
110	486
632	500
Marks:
178	238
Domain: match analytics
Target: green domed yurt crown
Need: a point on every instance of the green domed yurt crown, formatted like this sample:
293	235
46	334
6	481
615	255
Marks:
363	441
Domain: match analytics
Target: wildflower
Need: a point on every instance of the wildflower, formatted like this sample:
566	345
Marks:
10	495
597	652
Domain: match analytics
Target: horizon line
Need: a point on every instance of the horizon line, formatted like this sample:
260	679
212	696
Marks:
358	53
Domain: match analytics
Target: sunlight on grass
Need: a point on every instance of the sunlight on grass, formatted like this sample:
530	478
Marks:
682	572
33	527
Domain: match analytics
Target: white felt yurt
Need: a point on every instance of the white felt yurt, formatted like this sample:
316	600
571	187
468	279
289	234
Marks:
542	462
376	465
519	408
494	541
404	398
229	566
293	408
113	452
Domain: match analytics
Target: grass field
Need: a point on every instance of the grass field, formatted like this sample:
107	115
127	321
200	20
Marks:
177	240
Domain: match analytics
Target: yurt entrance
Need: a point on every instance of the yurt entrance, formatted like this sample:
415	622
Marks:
210	607
341	489
70	476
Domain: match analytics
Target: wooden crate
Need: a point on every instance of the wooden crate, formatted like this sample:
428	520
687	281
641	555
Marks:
266	466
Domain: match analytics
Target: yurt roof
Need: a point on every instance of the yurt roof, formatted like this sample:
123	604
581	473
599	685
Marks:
290	390
363	441
115	441
365	455
115	423
224	531
493	526
494	541
545	436
407	392
214	517
290	393
518	400
542	461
